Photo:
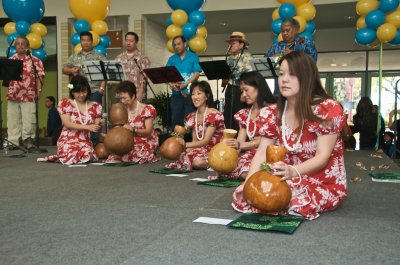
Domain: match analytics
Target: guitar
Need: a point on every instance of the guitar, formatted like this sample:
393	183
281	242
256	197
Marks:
293	44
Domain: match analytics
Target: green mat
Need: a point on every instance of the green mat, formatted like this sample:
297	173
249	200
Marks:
385	177
121	164
266	222
169	171
222	182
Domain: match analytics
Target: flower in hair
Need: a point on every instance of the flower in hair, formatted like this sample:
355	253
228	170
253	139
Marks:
70	86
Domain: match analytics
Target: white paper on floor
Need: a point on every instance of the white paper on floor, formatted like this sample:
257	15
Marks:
77	165
212	221
199	179
177	175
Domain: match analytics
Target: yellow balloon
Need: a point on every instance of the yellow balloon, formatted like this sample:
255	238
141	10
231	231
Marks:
302	23
100	27
77	48
202	31
375	43
363	7
169	46
361	23
39	28
90	10
275	14
393	18
280	38
96	38
179	17
35	40
386	32
307	11
173	31
197	44
9	28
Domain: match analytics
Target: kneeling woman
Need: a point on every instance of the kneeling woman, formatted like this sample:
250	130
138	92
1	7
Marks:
140	121
79	117
206	123
308	123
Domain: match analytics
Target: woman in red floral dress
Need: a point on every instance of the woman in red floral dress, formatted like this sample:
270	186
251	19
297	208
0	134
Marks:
256	93
140	121
79	117
206	123
308	123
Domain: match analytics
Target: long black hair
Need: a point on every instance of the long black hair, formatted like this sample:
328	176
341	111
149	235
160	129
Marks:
256	80
205	87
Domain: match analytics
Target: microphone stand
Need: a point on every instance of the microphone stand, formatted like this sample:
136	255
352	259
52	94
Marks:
37	150
145	77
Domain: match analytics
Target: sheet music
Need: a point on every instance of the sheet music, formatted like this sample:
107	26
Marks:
261	65
114	70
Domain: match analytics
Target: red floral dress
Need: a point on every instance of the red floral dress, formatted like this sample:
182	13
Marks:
213	119
75	146
320	191
144	146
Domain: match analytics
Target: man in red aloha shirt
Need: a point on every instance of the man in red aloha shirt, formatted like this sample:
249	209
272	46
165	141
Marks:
21	119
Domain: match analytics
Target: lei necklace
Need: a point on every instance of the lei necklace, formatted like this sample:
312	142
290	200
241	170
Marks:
250	135
204	121
297	145
79	113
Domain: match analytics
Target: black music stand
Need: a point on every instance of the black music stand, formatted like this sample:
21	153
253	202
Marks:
267	68
164	75
215	70
9	70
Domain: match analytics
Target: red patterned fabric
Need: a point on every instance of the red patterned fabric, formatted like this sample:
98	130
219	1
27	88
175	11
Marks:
75	146
145	146
320	191
24	90
213	119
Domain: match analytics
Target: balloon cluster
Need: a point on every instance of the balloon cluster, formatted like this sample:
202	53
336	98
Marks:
301	10
187	20
90	16
26	16
379	22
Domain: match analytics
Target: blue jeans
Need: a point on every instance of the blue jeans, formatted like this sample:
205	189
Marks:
180	107
97	97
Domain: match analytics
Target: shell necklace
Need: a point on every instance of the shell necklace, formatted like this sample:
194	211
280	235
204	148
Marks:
297	145
250	135
79	113
204	121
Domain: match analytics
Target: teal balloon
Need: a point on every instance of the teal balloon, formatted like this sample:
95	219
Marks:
388	5
31	11
365	36
187	5
310	27
197	17
169	21
12	51
287	10
375	18
105	41
43	44
40	54
307	35
81	25
396	39
22	27
12	36
189	30
75	39
100	49
276	26
275	40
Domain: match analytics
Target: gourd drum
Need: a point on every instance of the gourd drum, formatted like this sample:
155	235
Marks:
223	158
265	191
119	141
118	114
101	151
170	148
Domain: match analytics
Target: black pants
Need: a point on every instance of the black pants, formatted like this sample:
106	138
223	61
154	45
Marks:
232	105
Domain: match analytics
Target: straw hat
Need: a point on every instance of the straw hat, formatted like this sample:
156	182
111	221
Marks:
236	35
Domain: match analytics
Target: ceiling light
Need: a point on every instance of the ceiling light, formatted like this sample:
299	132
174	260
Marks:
333	64
223	24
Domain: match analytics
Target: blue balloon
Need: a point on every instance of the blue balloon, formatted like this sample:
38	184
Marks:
31	11
307	35
75	39
105	40
169	21
197	17
388	5
187	5
310	27
396	39
81	25
276	26
375	18
275	40
12	36
22	27
365	36
12	51
40	53
100	49
189	30
43	44
287	10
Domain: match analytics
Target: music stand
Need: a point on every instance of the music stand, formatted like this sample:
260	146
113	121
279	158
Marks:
161	75
267	67
104	70
215	70
9	70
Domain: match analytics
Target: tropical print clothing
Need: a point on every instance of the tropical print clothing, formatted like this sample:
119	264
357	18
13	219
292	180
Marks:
307	46
239	63
132	71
